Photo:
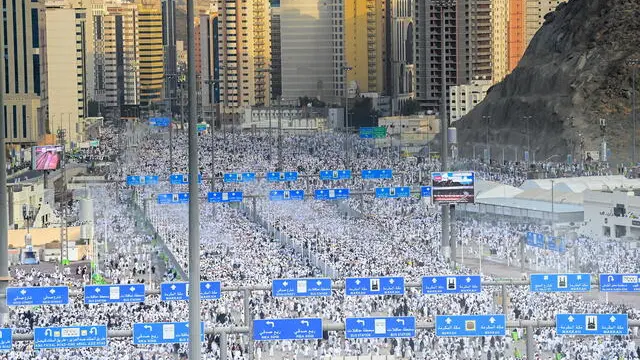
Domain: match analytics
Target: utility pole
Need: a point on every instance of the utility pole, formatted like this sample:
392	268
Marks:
634	63
526	120
346	69
280	142
64	239
4	210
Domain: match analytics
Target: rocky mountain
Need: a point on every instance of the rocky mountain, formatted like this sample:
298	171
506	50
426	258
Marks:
574	72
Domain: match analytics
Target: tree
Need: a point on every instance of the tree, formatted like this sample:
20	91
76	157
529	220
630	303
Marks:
362	112
410	107
93	108
304	100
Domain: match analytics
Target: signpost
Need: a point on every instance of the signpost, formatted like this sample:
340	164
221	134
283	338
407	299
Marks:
378	132
425	191
225	197
452	284
560	283
301	287
182	179
535	240
619	282
287	329
592	324
380	327
163	333
103	294
471	325
545	242
335	174
45	295
69	337
453	187
239	177
179	291
6	339
286	195
135	180
331	194
393	192
201	127
275	176
176	198
377	174
159	121
387	285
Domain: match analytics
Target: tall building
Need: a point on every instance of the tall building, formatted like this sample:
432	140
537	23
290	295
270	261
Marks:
21	71
276	51
365	43
463	98
402	66
209	62
169	44
64	101
151	52
535	12
312	48
478	20
245	54
516	34
499	40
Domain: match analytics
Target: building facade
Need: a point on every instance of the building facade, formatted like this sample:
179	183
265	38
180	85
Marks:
64	101
276	51
499	40
22	71
169	45
403	71
151	53
478	20
209	62
463	98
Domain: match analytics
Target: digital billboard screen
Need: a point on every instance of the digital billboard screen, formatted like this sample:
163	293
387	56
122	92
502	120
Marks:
453	187
47	157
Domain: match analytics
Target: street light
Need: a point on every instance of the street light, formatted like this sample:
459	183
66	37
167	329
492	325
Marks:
488	119
27	214
345	70
633	63
526	120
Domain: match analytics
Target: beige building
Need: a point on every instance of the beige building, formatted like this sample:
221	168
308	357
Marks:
463	98
411	133
151	52
499	40
31	195
244	48
535	12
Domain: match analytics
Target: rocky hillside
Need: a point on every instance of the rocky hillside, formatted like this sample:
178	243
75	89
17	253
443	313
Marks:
574	72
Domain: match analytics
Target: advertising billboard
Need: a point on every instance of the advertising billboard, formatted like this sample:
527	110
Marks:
453	187
48	157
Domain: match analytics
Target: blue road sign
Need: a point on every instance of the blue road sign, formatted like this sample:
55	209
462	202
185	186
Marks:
6	339
239	177
380	327
159	121
286	195
224	197
377	174
287	329
386	285
69	337
535	240
101	294
620	282
331	194
45	295
425	191
301	287
135	180
555	244
182	179
452	284
335	174
592	324
560	282
201	127
393	192
282	176
366	133
179	291
471	325
163	333
176	198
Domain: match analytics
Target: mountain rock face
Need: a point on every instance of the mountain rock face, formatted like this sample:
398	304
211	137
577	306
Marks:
574	72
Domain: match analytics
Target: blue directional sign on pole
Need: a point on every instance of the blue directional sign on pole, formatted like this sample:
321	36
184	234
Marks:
386	285
592	324
135	180
6	339
239	177
179	291
286	195
393	192
175	198
282	176
159	121
331	194
425	191
620	282
287	329
366	133
335	174
555	244
182	179
301	287
535	240
69	337
471	325
452	284
102	294
45	295
560	282
224	197
163	333
380	327
377	174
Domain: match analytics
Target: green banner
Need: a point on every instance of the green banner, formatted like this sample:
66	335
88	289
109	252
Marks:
379	132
